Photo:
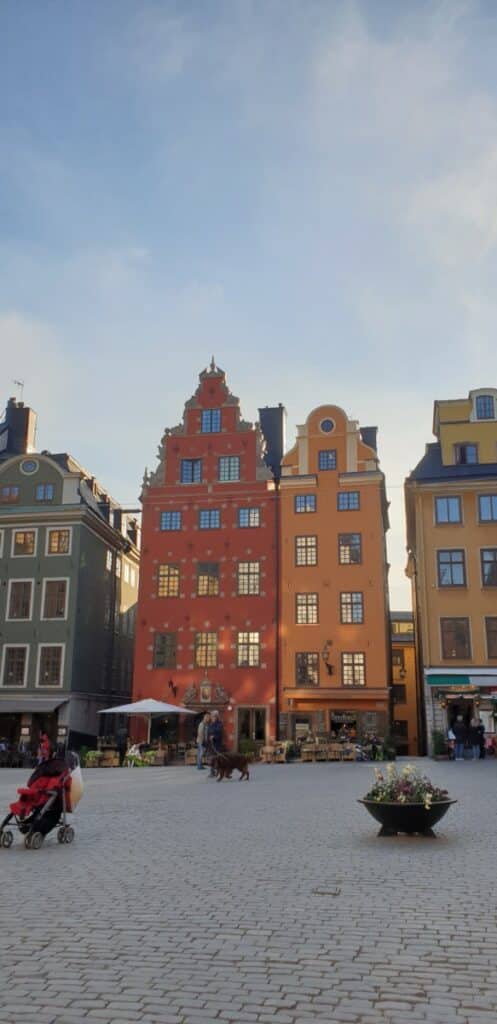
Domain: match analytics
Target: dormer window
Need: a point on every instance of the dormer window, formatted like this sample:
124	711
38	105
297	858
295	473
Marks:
466	454
211	421
485	407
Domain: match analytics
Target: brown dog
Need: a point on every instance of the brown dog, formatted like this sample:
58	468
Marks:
224	764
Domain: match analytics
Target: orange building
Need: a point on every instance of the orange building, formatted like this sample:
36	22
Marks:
335	629
206	620
405	727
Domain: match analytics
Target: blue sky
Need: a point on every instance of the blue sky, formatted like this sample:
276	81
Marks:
305	189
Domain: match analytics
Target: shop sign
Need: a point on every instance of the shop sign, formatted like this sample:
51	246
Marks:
343	717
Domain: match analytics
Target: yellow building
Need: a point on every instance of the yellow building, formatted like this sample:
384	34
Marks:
451	510
335	631
405	728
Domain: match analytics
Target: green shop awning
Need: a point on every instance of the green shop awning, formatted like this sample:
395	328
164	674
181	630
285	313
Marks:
448	680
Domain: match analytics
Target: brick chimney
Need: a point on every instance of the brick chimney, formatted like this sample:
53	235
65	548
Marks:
18	431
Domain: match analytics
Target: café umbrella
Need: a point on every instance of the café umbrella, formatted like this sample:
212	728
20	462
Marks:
147	708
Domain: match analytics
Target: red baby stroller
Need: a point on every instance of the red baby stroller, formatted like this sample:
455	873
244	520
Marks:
53	790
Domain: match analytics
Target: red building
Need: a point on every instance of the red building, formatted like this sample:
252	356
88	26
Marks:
206	619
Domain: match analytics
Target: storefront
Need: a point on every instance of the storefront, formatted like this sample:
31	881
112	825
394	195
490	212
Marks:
302	714
450	694
23	719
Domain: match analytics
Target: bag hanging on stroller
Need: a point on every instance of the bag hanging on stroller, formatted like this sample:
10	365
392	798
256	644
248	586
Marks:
53	790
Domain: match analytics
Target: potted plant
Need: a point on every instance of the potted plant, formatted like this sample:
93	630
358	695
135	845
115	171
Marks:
405	801
439	746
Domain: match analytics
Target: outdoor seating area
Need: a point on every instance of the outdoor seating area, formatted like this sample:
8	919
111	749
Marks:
14	756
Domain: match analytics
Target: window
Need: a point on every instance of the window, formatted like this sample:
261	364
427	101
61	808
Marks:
208	579
44	492
306	550
306	609
1	543
455	638
54	601
248	650
132	577
24	542
491	631
349	548
20	599
9	495
348	501
206	650
327	459
307	668
400	728
353	669
50	665
211	421
126	572
451	568
118	567
398	659
466	454
249	574
165	650
327	426
15	665
228	468
448	510
170	520
351	607
249	517
209	519
487	504
191	471
108	560
58	542
489	567
399	693
168	581
485	407
305	502
403	626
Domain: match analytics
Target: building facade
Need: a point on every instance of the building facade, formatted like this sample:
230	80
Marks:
69	583
405	725
451	511
335	631
207	607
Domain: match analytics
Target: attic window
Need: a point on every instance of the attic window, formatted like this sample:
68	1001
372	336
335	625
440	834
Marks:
485	407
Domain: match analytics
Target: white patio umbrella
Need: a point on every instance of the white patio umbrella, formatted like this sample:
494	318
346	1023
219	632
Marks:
147	708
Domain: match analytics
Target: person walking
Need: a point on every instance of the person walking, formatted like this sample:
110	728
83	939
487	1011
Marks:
202	740
215	737
474	737
459	730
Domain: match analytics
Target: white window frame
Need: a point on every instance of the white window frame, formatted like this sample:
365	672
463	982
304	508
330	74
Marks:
24	579
125	571
6	686
24	529
54	579
57	529
1	542
48	686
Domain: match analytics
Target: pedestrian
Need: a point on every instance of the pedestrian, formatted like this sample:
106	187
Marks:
483	748
44	749
474	738
202	739
215	737
459	730
451	739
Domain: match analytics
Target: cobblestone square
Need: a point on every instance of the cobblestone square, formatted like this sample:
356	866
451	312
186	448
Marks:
184	901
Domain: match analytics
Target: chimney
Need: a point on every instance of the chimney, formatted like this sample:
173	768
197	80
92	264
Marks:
19	427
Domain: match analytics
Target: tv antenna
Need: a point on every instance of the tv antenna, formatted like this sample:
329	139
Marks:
19	384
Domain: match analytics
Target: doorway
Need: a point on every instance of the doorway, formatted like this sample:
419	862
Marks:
251	725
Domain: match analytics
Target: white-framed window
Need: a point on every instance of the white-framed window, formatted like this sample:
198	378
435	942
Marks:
132	576
54	599
249	578
20	600
249	517
248	649
58	540
14	668
24	543
108	560
228	468
1	543
50	665
44	492
126	572
118	567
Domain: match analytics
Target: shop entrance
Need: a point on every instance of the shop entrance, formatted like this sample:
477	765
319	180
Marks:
343	724
252	725
460	706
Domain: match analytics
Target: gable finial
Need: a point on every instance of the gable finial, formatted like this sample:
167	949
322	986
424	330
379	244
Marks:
213	364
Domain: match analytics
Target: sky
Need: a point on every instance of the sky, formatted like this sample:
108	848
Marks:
306	189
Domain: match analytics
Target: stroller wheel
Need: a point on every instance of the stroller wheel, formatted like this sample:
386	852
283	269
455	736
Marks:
36	841
61	834
6	839
69	836
27	841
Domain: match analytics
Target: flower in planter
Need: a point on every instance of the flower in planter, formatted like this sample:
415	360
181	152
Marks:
408	786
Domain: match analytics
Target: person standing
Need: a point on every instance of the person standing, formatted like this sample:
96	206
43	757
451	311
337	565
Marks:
44	749
215	737
481	732
474	738
459	730
202	739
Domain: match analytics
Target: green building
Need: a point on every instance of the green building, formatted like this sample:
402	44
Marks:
69	564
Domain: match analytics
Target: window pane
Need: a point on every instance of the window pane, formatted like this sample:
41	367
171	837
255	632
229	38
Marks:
451	569
351	607
229	468
165	650
211	421
306	609
491	631
353	669
306	550
249	578
327	459
455	638
24	542
248	649
191	471
9	495
208	579
14	666
466	454
20	599
307	668
489	567
170	521
168	581
448	509
54	606
45	492
249	517
305	503
348	501
206	650
58	542
50	666
488	508
209	519
484	407
349	548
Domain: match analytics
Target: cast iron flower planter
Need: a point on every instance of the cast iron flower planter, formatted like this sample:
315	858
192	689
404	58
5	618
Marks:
407	817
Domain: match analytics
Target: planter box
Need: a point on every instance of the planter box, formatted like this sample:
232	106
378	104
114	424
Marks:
406	818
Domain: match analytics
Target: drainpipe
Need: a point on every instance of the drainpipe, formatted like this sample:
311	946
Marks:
277	660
